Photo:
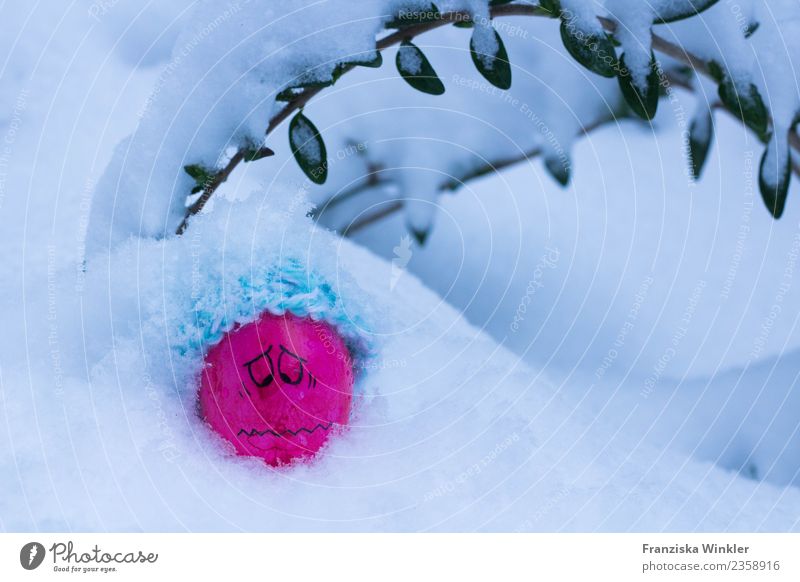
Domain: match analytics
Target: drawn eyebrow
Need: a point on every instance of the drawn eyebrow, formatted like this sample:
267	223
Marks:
266	380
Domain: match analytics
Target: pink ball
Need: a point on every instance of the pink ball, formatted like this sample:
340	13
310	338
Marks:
276	388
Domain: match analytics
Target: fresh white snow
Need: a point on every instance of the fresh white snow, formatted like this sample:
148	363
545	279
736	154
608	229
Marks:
650	381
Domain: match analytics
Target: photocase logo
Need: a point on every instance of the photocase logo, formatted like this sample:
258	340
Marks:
402	255
31	555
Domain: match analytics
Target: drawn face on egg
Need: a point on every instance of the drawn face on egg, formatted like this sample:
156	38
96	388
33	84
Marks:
278	387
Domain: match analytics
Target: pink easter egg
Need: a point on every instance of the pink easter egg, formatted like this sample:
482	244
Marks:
277	387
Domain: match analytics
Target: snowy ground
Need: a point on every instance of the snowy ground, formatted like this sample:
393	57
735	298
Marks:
463	426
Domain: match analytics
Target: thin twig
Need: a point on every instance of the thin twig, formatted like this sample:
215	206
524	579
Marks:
301	99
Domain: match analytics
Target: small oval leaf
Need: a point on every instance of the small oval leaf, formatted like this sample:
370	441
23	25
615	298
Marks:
495	67
748	106
415	68
643	102
701	133
559	168
308	148
593	50
774	175
553	7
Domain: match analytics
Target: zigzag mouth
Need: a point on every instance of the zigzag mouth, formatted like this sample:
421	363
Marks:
288	432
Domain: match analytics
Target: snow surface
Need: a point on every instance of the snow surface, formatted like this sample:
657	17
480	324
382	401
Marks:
455	430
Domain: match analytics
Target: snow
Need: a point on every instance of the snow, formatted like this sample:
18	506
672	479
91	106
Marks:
306	138
464	422
410	59
470	438
634	22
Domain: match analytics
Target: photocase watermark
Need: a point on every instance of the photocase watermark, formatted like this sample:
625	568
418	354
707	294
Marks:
340	155
197	276
31	555
10	138
183	52
628	325
84	210
571	20
402	256
100	8
743	232
167	447
67	559
473	470
549	260
776	308
745	26
680	333
383	364
54	348
556	152
545	508
429	15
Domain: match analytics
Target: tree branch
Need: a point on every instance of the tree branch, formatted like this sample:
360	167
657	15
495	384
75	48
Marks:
659	44
302	98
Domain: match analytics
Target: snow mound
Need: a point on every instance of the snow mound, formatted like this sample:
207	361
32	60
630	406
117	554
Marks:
453	432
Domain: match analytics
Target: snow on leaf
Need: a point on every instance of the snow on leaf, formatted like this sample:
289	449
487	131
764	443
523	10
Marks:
589	45
642	100
308	148
490	57
775	173
745	102
415	68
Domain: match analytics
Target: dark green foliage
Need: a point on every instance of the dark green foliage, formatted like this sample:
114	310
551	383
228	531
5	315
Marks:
423	77
593	51
498	70
201	175
308	148
643	103
774	192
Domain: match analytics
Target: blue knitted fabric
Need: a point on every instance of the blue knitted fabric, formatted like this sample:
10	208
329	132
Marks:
278	289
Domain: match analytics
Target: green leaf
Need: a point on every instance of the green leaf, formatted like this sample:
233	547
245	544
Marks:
198	172
716	71
499	2
551	6
374	63
293	91
749	106
308	148
559	168
774	176
415	68
495	68
252	153
595	51
419	235
202	176
701	133
644	103
464	24
290	93
680	9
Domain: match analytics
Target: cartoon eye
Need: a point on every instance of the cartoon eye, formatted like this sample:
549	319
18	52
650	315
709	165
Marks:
290	367
260	369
